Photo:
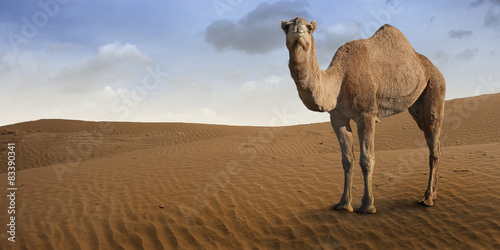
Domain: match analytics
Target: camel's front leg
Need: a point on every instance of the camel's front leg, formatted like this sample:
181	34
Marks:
343	131
366	133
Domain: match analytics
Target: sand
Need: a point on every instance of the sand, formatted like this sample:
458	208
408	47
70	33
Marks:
108	185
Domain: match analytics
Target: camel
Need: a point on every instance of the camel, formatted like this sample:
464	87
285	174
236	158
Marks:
366	81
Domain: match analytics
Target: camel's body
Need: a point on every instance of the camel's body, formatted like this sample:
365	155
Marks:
368	80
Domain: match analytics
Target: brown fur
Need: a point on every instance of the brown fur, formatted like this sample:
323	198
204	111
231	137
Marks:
368	80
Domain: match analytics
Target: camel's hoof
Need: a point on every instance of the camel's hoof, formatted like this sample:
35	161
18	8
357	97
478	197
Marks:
343	206
367	210
426	202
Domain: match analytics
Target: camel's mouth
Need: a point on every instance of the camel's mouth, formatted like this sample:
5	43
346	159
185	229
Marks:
298	33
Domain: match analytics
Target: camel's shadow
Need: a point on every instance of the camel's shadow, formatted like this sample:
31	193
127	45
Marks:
387	208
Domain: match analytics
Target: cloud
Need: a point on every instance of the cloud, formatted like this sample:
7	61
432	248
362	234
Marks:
329	40
467	55
443	59
258	32
265	82
207	112
249	86
480	2
459	33
113	65
4	65
431	21
476	3
492	19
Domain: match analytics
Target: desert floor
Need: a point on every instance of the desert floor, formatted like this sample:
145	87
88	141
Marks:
109	185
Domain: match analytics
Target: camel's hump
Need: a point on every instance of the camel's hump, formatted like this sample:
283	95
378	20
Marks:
387	29
389	32
388	44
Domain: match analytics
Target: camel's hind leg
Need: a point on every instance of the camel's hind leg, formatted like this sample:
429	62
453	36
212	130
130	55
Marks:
428	112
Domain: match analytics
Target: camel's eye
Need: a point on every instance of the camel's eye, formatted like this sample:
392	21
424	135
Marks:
310	27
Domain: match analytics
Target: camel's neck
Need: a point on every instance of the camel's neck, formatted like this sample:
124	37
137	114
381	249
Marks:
317	89
304	66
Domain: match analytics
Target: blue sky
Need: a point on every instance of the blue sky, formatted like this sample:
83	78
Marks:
221	61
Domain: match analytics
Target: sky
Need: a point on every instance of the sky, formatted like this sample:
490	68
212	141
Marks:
215	61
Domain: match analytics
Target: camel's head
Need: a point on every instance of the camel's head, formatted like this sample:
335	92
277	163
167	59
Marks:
298	32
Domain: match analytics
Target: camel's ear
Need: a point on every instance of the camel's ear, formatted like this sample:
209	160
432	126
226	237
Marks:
283	25
314	26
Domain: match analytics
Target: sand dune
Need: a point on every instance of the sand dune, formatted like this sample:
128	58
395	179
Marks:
108	185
